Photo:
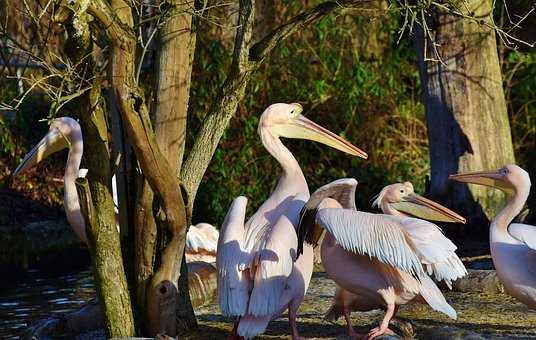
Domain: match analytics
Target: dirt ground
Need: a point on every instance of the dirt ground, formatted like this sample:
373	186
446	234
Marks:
480	316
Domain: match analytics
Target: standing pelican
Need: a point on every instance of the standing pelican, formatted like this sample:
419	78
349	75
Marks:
65	132
258	275
513	246
377	259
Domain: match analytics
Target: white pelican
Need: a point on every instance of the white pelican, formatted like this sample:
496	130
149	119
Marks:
513	246
201	243
65	132
258	275
377	259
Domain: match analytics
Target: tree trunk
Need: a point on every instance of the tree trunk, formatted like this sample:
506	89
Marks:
95	196
468	127
175	61
162	289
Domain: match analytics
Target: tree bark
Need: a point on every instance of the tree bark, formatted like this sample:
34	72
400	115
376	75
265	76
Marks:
468	127
95	194
162	289
175	61
110	279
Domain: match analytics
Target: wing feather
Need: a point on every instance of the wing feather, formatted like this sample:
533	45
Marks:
202	238
233	283
377	235
273	265
434	250
524	233
341	190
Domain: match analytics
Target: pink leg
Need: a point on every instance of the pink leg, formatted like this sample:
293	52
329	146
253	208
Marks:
293	325
384	325
234	333
351	332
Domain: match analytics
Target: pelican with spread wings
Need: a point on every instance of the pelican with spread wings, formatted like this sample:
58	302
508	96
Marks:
258	274
380	260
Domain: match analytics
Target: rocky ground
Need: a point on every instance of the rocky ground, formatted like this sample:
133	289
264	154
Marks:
480	316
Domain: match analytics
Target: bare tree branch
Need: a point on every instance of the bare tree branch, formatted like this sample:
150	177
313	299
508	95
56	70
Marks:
246	60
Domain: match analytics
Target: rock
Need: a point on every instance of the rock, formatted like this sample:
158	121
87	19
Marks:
481	281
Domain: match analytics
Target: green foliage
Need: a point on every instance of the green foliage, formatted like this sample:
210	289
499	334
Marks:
352	81
20	130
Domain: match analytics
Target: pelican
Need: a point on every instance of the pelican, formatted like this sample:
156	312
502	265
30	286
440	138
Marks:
201	243
378	260
65	132
258	274
513	246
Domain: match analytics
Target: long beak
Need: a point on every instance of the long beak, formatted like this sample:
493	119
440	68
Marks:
53	142
424	208
303	128
488	178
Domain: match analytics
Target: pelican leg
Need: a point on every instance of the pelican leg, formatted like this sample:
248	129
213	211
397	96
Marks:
292	313
384	325
234	332
351	332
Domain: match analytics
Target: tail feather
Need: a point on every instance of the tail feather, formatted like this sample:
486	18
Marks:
448	271
250	326
435	298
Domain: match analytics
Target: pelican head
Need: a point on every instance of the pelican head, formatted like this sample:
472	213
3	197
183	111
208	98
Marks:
401	197
62	133
508	178
286	120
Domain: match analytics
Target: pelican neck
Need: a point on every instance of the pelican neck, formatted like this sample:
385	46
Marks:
511	210
279	151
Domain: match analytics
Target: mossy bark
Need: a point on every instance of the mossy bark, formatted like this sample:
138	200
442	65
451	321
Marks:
468	127
95	195
175	60
116	20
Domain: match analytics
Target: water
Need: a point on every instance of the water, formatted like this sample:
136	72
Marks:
39	295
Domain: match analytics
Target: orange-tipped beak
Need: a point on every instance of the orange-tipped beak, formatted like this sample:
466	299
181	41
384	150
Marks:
303	128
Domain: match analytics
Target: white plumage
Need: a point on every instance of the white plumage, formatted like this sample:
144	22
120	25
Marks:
380	260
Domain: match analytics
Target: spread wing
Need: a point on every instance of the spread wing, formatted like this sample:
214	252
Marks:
272	266
233	281
377	235
341	190
524	233
434	250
